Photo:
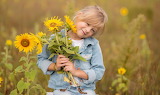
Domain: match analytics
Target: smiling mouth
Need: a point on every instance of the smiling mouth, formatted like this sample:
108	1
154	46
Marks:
83	32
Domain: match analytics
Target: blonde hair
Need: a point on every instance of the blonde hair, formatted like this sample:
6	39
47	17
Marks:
94	15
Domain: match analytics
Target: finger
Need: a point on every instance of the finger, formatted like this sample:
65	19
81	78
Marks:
66	68
64	59
69	63
61	56
62	62
62	65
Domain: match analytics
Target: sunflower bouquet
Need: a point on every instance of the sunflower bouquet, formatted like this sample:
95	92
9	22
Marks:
60	43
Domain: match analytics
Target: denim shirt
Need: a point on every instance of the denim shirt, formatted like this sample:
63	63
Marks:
94	66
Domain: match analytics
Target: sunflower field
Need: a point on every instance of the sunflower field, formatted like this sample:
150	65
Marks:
130	45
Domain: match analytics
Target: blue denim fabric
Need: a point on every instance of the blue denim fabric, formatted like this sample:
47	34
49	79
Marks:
94	67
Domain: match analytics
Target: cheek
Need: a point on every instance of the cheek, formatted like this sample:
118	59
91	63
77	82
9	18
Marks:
80	25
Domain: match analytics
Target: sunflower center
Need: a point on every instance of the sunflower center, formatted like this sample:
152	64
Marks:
25	42
53	24
121	72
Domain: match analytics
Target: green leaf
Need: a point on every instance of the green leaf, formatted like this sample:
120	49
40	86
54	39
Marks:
124	78
60	72
119	80
76	49
114	82
31	75
51	55
62	40
121	86
19	69
79	57
22	86
28	65
9	66
33	57
68	51
14	92
37	86
26	85
22	59
52	43
11	76
125	89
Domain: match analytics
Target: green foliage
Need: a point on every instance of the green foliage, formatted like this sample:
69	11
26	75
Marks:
62	45
27	83
120	84
129	51
6	67
22	86
14	92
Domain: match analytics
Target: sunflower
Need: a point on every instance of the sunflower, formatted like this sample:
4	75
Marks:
121	71
53	24
70	24
142	36
25	42
41	34
39	45
37	40
1	79
124	11
8	42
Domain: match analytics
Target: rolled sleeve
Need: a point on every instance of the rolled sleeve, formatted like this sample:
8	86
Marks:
43	61
91	76
44	67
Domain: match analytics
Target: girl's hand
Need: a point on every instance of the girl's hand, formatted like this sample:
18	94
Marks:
69	66
61	60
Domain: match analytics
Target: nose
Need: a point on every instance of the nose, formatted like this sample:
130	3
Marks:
88	29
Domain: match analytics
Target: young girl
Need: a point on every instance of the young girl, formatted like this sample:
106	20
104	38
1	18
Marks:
89	21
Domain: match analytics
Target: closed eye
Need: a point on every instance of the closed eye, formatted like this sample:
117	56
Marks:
88	24
93	31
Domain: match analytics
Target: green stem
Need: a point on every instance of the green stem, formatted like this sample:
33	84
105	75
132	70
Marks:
66	37
57	39
72	78
27	70
6	62
46	41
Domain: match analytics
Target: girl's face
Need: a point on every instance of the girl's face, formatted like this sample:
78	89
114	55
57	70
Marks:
84	29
